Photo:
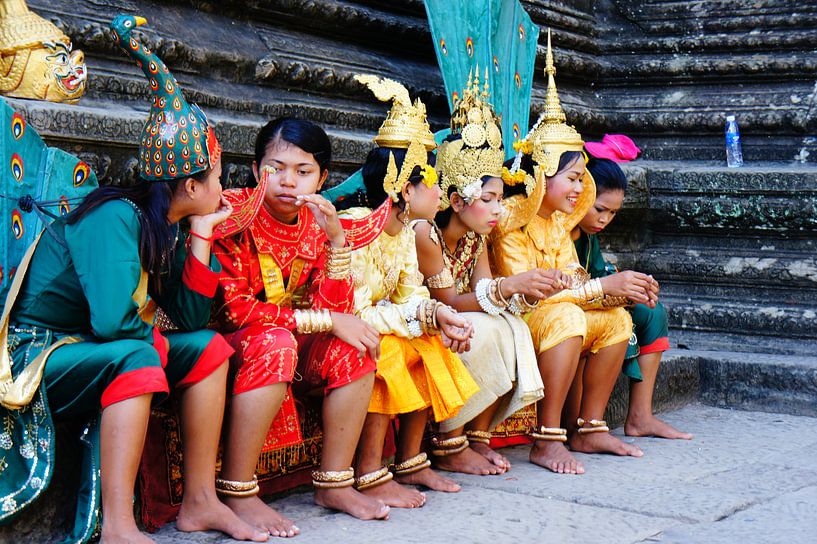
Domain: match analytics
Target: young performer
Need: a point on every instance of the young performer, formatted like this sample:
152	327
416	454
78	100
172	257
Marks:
103	268
454	262
286	298
650	323
416	369
579	320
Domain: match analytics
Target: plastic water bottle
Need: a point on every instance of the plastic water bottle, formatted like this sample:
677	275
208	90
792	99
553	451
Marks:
734	155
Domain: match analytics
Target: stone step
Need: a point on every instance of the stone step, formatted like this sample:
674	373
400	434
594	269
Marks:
784	384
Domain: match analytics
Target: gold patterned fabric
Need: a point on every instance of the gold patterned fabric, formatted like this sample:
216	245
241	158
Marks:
546	243
501	359
414	372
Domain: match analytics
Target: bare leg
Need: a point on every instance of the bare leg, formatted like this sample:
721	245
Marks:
640	419
250	415
573	403
478	458
412	427
122	438
600	374
344	411
370	458
202	412
558	368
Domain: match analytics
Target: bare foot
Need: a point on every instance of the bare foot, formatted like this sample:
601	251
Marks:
554	456
603	443
351	501
467	461
258	514
115	535
208	513
652	426
393	494
431	480
492	455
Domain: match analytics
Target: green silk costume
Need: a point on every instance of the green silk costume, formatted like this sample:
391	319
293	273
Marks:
94	282
649	324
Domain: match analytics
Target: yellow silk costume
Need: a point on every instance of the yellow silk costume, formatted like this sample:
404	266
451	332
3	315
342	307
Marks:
526	240
413	372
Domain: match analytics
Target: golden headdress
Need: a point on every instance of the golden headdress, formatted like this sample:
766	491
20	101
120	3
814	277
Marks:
547	140
479	152
405	127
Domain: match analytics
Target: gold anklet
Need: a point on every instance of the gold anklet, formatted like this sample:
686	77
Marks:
237	488
373	479
551	434
596	426
412	464
449	446
331	479
483	437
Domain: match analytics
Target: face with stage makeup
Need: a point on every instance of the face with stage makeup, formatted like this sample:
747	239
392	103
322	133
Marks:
52	71
484	211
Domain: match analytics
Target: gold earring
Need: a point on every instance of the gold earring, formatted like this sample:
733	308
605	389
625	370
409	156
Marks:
406	214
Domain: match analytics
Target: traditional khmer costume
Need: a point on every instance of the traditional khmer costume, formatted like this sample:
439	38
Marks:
501	358
272	273
80	312
527	240
415	371
650	325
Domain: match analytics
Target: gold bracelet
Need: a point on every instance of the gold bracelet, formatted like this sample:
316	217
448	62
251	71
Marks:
313	321
550	434
483	437
502	300
338	262
331	479
237	488
373	479
449	446
412	465
596	426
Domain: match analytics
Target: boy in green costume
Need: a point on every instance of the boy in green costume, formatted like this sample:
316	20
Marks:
78	323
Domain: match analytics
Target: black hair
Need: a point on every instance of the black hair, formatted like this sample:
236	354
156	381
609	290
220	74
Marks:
607	175
566	160
157	237
299	132
374	170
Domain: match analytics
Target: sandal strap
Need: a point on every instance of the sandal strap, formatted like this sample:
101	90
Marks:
596	426
237	488
483	437
551	434
330	479
373	479
411	465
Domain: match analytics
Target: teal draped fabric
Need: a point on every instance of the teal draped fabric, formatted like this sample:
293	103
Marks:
498	35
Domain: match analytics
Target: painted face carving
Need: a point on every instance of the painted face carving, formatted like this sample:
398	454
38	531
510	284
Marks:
68	69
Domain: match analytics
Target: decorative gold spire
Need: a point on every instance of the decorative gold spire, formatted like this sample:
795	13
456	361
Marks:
552	136
464	162
405	121
553	108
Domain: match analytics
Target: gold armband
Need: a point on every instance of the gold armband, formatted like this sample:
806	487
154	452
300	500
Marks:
338	262
441	280
313	321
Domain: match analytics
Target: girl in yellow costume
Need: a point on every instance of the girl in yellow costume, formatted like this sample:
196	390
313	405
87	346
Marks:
454	261
416	369
581	321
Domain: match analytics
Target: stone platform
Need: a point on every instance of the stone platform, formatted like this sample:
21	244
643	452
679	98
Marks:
746	477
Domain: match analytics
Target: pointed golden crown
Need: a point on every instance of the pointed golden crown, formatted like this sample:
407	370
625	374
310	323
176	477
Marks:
464	162
405	121
21	28
552	136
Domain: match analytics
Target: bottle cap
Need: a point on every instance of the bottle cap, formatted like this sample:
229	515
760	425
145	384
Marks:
730	117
